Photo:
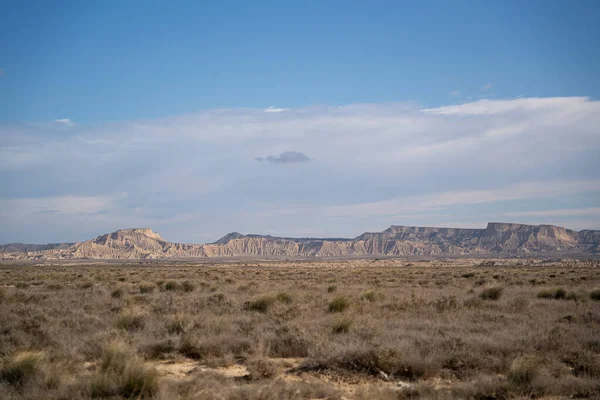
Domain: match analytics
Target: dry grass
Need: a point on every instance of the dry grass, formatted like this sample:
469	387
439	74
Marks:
295	330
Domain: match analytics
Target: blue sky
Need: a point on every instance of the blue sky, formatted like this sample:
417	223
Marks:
296	118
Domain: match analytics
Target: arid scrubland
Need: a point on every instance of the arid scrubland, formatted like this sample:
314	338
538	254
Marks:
388	329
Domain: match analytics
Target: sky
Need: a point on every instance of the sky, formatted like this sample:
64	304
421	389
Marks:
321	119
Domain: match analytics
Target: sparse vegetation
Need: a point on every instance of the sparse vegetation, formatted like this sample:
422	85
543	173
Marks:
558	294
260	331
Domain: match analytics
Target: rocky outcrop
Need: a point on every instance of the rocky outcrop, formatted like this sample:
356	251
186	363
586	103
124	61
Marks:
496	238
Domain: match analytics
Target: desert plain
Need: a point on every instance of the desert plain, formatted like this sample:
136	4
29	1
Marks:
392	328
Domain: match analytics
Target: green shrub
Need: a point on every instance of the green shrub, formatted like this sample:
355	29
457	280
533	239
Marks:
493	293
171	285
260	304
595	295
339	304
556	294
117	293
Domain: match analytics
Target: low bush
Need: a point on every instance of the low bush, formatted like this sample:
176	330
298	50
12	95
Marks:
342	325
262	368
146	287
123	375
260	304
339	304
178	324
370	295
493	293
131	320
21	368
171	285
187	286
595	295
283	297
558	294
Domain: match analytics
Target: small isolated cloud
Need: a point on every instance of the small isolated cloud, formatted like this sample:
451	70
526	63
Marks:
455	93
487	86
64	122
286	157
1	72
273	109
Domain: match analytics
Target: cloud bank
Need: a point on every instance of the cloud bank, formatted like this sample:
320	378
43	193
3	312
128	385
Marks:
371	165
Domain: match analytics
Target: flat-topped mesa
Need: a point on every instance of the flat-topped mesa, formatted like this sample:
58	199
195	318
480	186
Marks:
142	231
497	238
499	227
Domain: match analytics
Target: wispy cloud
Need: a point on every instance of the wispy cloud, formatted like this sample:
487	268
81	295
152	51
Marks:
455	93
526	190
377	164
487	87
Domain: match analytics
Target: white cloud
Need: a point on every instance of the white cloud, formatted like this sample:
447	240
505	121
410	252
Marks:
455	93
380	161
487	86
64	122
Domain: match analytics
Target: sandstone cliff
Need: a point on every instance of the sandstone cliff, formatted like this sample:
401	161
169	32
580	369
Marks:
496	238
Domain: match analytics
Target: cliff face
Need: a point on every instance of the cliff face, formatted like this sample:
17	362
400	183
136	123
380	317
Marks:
496	238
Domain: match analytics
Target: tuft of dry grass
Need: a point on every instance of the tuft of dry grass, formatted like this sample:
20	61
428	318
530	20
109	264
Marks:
146	287
21	368
493	293
339	304
262	368
260	304
131	319
342	325
179	323
123	375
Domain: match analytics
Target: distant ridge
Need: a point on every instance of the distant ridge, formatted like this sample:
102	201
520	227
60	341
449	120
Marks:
498	238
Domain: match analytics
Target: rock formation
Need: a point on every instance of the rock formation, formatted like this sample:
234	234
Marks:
496	238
